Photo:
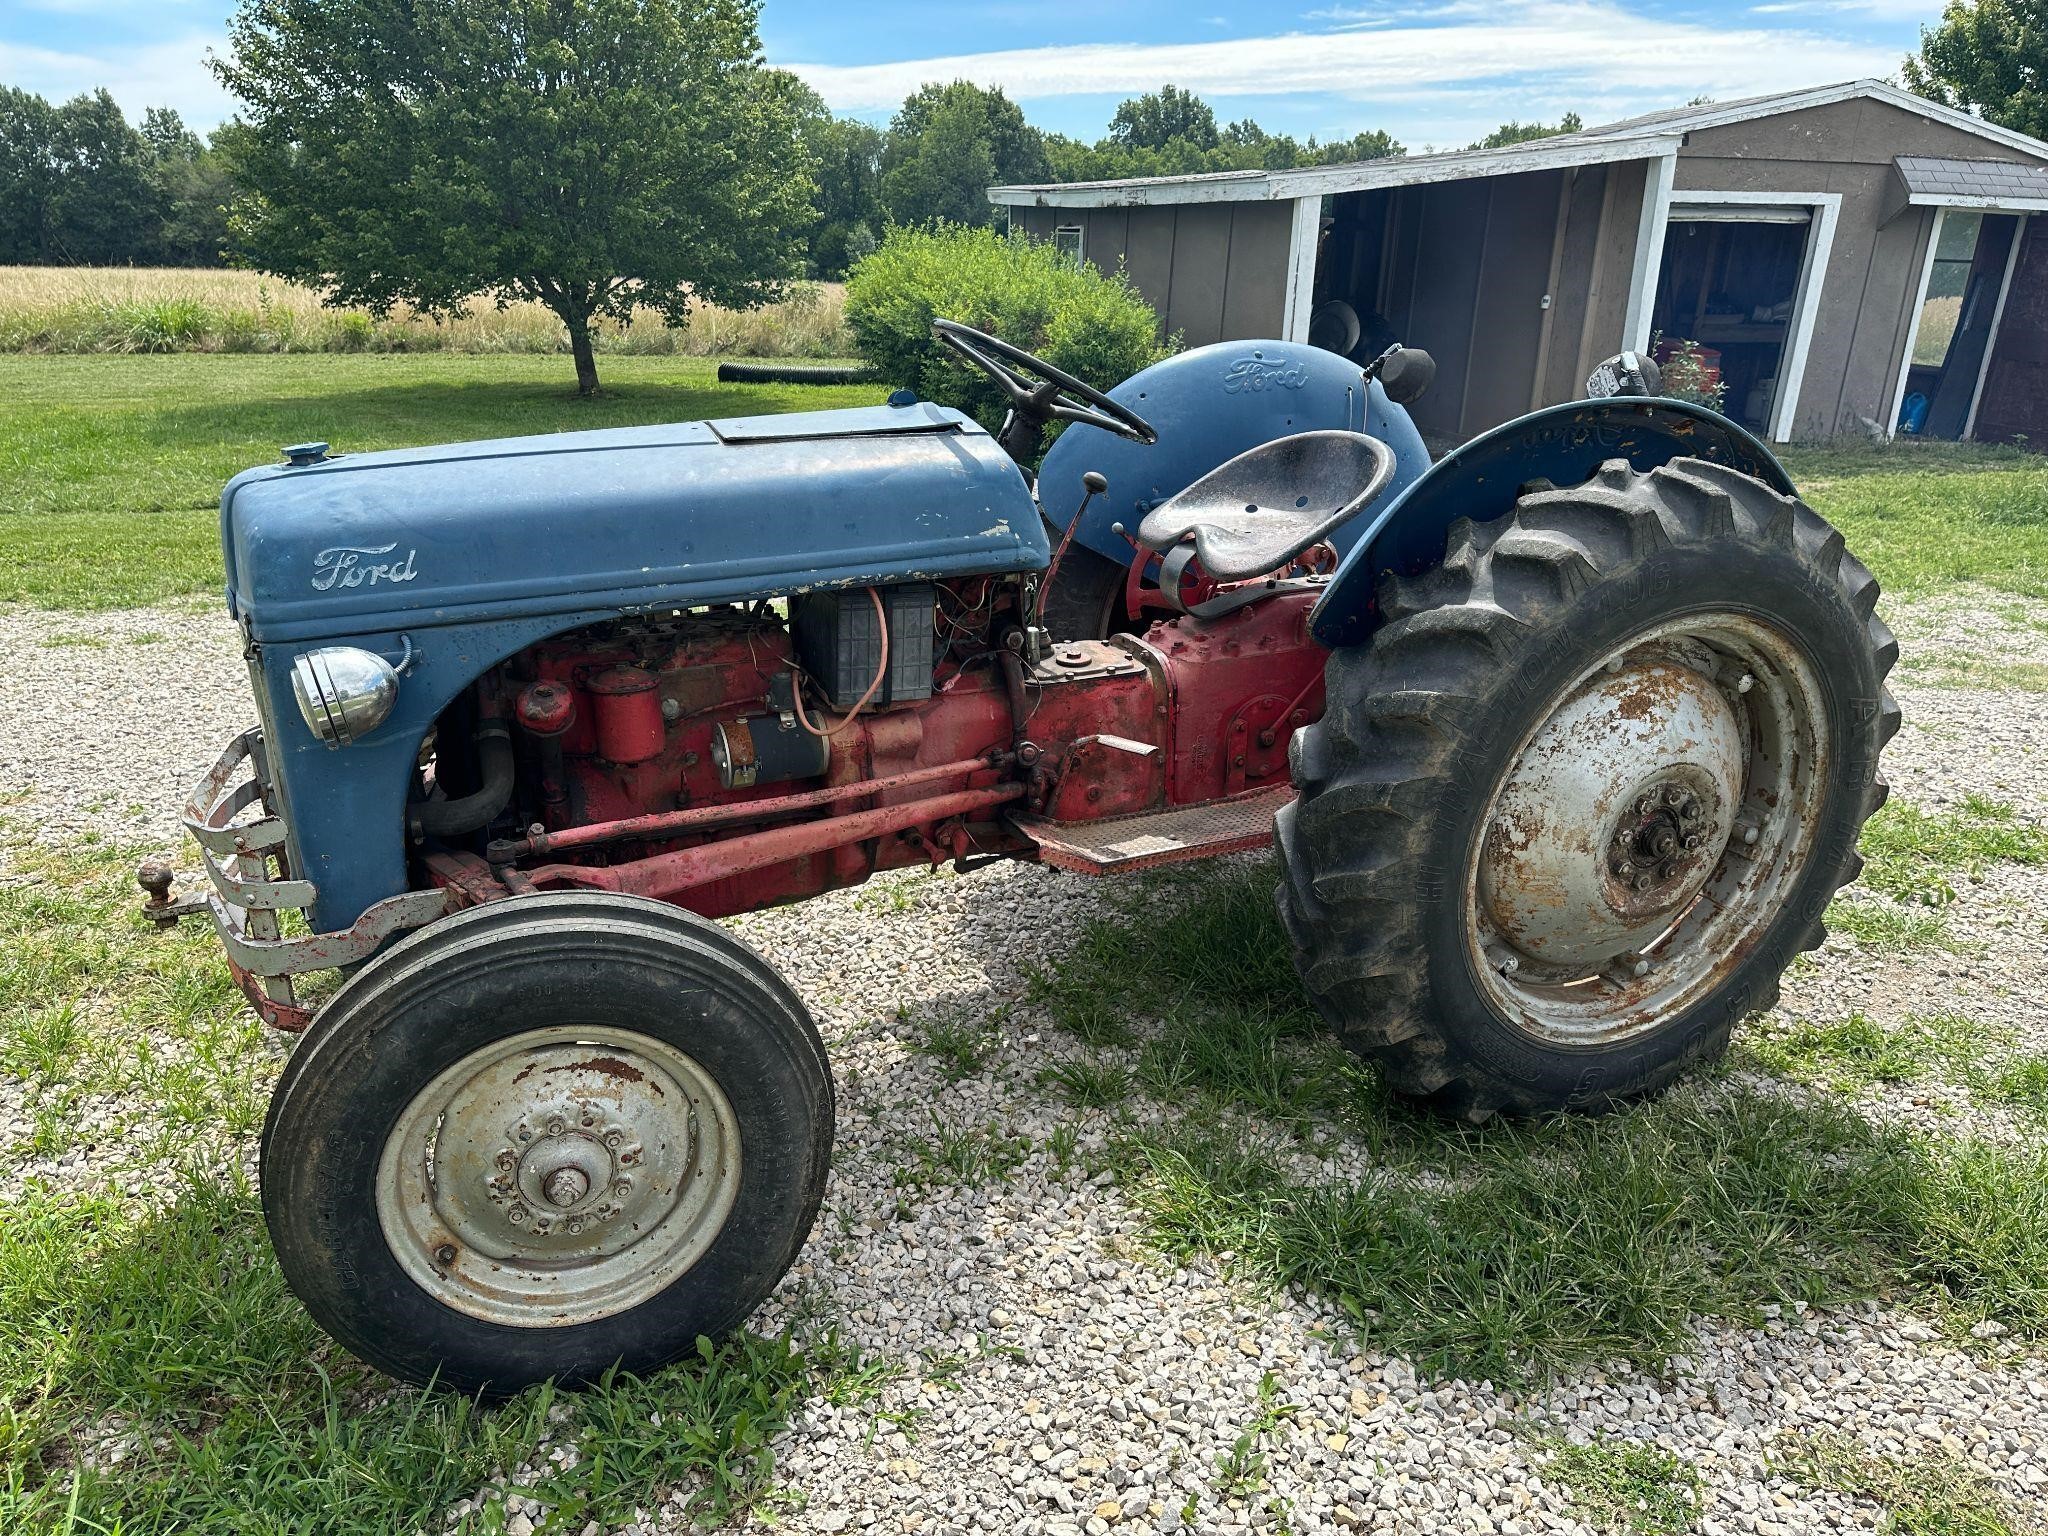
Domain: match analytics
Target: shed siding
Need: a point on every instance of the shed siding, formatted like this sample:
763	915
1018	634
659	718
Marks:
2015	402
1873	274
1213	271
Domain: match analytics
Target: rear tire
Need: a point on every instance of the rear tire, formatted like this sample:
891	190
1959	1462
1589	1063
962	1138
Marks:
1686	667
546	1136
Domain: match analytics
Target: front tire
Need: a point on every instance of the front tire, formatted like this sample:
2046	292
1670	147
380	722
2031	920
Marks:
1589	789
547	1136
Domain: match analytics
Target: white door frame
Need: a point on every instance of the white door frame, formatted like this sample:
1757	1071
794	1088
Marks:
1658	175
1891	421
1820	243
1304	237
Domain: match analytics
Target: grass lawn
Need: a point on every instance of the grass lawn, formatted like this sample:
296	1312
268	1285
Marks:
111	467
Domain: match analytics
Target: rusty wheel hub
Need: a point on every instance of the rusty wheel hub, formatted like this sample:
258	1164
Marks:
1647	827
554	1178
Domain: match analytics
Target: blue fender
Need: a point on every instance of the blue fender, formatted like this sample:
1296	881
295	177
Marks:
1566	445
1210	405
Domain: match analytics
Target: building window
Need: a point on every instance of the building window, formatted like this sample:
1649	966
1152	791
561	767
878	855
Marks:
1067	241
1948	282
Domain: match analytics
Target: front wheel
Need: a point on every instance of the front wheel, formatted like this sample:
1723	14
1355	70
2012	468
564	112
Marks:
544	1137
1579	802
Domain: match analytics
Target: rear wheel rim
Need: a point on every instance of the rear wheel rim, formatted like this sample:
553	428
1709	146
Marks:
1648	830
559	1176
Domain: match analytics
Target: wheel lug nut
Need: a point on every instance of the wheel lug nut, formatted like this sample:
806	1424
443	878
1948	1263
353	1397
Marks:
1629	967
557	1125
1643	881
445	1254
517	1215
613	1137
622	1185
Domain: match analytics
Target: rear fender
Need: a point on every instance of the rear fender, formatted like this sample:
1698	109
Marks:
1565	445
1208	406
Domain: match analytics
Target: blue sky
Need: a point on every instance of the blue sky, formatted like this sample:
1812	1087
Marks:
1433	72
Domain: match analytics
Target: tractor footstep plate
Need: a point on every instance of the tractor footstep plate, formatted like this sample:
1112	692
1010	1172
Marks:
1121	844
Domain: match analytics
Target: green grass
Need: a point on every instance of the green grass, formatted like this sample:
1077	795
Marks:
115	463
111	467
1934	1494
1888	927
1517	1249
1626	1486
1858	1052
1914	855
146	1313
1925	516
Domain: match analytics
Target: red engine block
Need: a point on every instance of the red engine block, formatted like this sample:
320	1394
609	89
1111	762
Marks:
614	731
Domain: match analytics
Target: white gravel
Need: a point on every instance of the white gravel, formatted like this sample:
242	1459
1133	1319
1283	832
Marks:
1088	1384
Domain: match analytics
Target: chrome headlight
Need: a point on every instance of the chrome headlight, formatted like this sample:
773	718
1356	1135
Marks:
344	693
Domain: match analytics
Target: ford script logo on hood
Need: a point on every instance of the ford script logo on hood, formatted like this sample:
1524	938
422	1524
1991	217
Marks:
1252	374
350	566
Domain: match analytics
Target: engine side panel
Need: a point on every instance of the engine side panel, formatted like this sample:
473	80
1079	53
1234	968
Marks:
1210	405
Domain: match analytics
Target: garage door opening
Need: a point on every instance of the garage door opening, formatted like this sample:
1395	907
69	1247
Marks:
1732	285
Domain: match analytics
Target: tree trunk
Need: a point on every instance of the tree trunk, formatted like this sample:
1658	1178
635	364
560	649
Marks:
586	360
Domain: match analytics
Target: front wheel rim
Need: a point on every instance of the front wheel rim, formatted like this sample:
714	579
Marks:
1648	830
559	1176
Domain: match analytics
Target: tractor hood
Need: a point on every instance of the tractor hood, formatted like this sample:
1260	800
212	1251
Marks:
622	519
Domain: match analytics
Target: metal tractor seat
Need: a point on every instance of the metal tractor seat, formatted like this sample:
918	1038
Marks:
1261	510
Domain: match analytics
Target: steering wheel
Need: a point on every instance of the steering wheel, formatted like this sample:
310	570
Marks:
1052	396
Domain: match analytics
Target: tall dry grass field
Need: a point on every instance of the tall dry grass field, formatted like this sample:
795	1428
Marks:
173	309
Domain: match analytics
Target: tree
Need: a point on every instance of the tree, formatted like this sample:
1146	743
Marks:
1988	57
593	156
1521	133
950	143
846	159
194	186
1155	120
102	207
1174	133
28	171
1374	144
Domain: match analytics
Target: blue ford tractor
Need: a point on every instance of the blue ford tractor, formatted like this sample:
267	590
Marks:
1564	742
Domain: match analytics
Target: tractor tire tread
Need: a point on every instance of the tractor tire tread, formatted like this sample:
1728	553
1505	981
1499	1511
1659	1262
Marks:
1354	845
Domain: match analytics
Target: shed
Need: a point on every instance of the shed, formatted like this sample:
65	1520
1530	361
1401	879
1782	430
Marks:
1850	259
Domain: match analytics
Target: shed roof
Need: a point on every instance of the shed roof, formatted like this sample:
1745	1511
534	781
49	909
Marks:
1649	136
1973	183
1325	180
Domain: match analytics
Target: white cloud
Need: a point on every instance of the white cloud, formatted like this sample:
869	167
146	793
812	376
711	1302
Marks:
1477	64
1927	11
167	74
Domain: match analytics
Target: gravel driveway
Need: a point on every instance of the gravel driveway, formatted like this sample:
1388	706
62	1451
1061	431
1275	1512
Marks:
1088	1384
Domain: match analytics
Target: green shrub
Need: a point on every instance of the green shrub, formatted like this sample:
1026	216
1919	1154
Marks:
1097	328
